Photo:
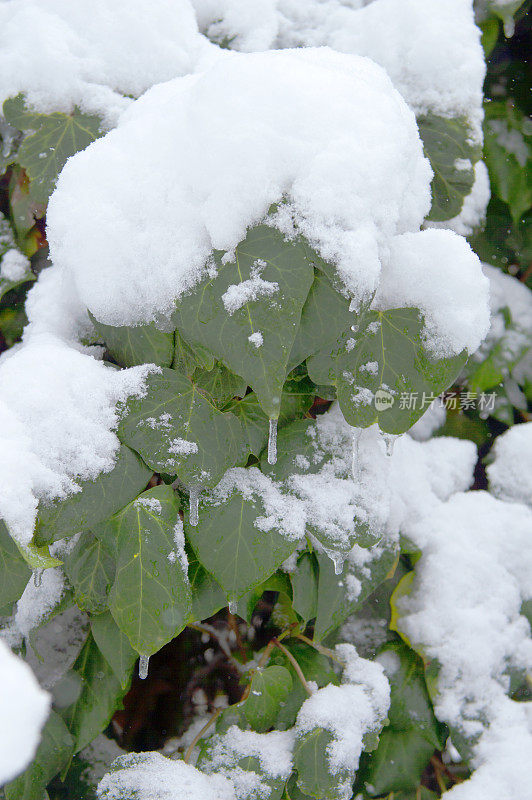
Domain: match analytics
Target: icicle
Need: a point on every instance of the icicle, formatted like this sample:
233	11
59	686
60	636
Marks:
144	662
233	606
37	577
338	565
389	441
272	442
357	433
509	27
193	496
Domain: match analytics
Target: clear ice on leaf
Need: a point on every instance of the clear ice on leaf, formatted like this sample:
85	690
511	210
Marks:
37	577
233	606
194	505
144	662
272	442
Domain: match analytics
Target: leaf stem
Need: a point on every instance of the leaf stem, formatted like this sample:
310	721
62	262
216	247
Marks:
200	733
295	665
323	650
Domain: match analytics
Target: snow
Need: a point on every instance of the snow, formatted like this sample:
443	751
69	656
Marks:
456	309
24	707
89	54
238	294
432	419
58	409
325	133
510	473
14	265
349	711
431	50
256	339
36	602
151	776
478	637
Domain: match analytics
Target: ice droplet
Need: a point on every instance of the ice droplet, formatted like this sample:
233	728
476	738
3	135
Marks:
338	565
233	606
193	496
509	27
272	442
144	662
389	441
37	577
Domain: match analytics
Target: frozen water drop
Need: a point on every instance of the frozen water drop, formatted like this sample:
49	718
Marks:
144	662
338	565
389	441
233	606
37	577
509	27
272	442
194	505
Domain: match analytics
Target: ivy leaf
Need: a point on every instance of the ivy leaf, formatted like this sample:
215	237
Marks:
227	543
96	501
393	340
286	275
187	358
220	384
410	706
315	667
114	646
14	572
398	762
6	285
99	696
340	595
150	597
269	688
508	150
90	569
207	594
314	775
305	586
278	582
178	431
53	139
452	152
324	318
53	753
271	788
130	346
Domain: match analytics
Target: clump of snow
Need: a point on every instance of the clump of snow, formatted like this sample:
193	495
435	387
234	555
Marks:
456	309
510	473
464	612
150	504
182	447
58	409
256	339
93	55
272	750
349	711
238	294
179	554
324	134
24	707
432	419
151	776
14	265
431	50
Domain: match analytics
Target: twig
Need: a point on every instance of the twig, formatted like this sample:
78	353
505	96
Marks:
323	650
200	733
295	665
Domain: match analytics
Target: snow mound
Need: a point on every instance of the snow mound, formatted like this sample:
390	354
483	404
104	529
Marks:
24	707
510	474
89	53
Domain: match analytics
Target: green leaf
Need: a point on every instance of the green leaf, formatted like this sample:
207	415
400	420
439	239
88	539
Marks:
187	358
53	139
314	775
271	788
398	762
508	153
270	688
144	344
52	755
340	595
315	667
452	152
90	568
393	339
38	557
96	501
178	431
219	383
305	586
278	582
100	694
6	285
114	646
410	705
324	318
150	597
207	594
202	317
14	572
227	543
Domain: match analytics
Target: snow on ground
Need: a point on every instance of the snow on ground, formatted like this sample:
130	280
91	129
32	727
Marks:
24	707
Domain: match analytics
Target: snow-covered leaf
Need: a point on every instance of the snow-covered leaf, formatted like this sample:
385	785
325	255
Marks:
314	774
